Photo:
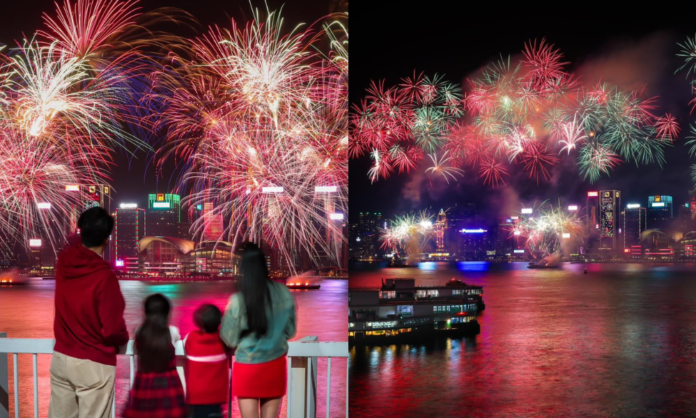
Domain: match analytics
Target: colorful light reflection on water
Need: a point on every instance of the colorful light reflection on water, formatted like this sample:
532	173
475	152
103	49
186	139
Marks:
619	341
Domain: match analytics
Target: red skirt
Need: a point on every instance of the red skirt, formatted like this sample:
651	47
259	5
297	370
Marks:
156	395
261	380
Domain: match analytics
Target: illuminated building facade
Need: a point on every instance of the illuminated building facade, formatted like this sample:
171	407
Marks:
213	228
212	258
660	212
440	231
129	229
634	218
473	243
163	215
609	204
162	256
364	236
592	209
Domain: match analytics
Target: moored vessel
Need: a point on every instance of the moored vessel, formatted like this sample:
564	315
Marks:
400	311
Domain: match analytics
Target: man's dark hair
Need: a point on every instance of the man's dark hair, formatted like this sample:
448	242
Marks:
95	226
207	318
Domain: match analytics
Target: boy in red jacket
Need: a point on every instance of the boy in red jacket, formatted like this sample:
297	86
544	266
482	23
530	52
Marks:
89	325
207	364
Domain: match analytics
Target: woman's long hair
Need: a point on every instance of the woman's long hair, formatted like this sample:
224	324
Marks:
153	342
254	287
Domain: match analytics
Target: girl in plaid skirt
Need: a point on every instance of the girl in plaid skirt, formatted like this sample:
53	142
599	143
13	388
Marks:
157	391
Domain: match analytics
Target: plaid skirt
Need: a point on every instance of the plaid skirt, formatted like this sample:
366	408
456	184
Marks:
156	395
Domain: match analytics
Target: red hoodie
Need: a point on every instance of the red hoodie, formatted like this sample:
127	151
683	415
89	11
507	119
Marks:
207	369
89	321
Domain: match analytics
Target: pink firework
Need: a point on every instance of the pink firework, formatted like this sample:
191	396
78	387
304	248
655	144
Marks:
667	127
406	159
86	26
480	100
545	62
492	172
537	160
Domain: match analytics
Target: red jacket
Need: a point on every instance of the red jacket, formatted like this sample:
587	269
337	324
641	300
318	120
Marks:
89	321
207	369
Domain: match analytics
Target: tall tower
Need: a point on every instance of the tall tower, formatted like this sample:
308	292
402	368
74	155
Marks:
633	225
609	204
129	229
592	210
212	230
440	228
660	212
163	215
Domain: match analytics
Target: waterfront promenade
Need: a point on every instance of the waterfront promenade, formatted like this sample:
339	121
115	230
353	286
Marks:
27	312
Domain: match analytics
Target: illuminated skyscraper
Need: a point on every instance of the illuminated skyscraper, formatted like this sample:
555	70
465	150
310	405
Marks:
609	204
633	225
129	229
592	208
163	215
440	230
213	223
660	212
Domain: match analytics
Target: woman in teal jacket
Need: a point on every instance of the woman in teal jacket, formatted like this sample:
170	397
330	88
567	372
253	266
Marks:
258	322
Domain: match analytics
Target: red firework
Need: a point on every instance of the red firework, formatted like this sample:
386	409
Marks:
546	63
406	159
536	158
492	172
667	127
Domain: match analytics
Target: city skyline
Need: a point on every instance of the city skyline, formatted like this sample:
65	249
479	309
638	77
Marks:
459	57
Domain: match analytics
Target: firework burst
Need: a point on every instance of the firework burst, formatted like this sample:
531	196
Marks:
526	110
545	231
441	166
409	233
259	120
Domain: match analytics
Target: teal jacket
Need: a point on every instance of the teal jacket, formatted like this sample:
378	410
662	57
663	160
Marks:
251	349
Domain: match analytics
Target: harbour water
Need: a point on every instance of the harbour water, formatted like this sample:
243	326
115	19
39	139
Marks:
619	341
27	311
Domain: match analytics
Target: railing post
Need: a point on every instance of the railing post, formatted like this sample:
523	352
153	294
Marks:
4	384
302	382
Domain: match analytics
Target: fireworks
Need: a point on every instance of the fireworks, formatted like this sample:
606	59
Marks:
528	111
667	127
404	123
409	232
65	106
545	230
441	167
260	121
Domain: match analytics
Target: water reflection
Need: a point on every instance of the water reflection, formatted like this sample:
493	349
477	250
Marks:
618	341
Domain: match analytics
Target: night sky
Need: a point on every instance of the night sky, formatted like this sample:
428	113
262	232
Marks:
133	179
459	42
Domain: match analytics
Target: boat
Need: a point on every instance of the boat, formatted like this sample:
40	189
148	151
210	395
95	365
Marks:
400	311
302	285
543	266
402	266
12	278
398	262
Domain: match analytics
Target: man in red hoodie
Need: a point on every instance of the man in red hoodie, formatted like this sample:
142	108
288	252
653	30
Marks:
89	325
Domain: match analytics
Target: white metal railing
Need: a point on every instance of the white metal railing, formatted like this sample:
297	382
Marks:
303	364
